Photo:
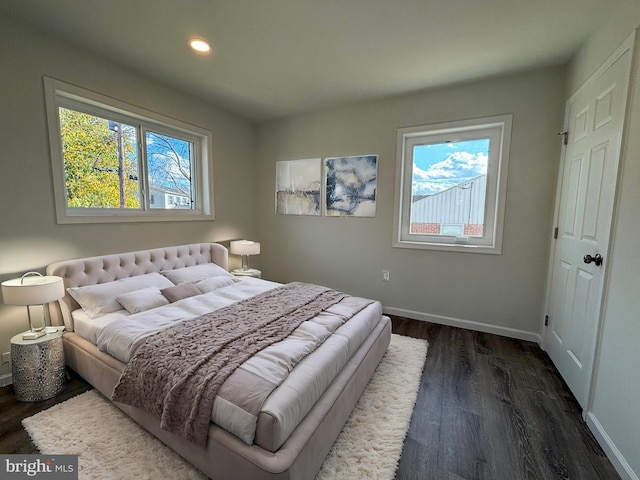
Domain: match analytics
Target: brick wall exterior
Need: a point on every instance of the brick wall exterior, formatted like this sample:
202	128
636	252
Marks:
473	230
425	228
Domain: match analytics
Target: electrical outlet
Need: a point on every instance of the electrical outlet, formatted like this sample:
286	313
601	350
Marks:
6	357
385	276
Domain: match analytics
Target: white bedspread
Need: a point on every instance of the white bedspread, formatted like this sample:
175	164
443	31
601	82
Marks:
119	337
303	365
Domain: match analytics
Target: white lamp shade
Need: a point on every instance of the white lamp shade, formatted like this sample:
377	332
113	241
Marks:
245	247
32	290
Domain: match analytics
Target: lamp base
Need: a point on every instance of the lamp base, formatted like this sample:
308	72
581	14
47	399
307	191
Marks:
33	335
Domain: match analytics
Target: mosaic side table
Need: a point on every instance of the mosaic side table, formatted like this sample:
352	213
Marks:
37	367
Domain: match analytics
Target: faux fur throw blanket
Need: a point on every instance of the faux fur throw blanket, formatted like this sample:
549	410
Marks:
176	373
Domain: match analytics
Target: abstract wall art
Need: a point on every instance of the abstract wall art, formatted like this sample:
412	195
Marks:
350	186
298	187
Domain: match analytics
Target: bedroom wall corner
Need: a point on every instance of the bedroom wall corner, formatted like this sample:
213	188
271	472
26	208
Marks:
500	292
613	412
30	238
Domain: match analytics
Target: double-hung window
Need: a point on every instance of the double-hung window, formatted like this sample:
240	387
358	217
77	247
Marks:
451	185
114	162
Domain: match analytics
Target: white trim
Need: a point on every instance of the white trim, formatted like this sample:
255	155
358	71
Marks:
464	323
613	454
59	93
496	186
6	379
604	440
616	457
627	45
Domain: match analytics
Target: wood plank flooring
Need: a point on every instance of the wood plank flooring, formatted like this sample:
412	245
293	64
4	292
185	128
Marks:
494	408
13	437
489	407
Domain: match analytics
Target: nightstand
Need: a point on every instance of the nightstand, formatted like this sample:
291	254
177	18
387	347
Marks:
37	366
250	272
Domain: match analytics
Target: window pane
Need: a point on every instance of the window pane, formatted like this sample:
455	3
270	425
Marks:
449	188
170	170
100	161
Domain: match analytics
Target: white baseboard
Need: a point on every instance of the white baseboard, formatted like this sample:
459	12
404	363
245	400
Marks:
468	324
5	380
613	454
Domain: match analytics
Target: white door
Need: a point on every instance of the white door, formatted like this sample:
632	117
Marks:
594	120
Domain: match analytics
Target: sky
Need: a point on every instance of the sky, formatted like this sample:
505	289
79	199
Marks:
440	166
163	158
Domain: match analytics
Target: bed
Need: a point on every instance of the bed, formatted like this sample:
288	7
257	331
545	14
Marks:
314	374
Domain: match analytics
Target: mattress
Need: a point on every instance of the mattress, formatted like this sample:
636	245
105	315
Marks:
302	365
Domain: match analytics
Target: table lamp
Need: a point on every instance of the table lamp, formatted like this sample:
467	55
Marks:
33	289
244	248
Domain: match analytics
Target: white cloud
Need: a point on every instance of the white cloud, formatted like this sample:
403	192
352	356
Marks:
458	167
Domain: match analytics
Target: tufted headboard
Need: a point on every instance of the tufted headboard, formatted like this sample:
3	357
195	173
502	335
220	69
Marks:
107	268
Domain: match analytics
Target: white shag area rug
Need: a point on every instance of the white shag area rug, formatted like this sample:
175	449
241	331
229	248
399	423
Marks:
111	446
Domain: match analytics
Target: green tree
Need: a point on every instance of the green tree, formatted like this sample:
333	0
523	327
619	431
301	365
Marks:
100	171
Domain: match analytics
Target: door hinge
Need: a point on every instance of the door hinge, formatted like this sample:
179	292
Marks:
555	233
565	137
546	320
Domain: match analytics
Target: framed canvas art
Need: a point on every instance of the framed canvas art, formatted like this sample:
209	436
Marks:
298	187
350	186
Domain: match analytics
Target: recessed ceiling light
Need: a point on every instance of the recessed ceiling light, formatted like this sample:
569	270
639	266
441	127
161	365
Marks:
199	45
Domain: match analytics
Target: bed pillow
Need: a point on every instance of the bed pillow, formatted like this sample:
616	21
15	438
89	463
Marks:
178	292
101	298
213	283
142	300
195	273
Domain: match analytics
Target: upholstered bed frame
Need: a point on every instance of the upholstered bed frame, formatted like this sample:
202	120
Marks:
224	456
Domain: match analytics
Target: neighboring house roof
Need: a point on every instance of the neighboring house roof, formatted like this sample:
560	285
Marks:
461	204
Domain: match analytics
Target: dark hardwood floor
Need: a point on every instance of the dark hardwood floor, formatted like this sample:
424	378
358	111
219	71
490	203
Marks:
14	438
494	408
489	407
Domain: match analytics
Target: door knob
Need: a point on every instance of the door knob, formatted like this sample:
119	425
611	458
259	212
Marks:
597	259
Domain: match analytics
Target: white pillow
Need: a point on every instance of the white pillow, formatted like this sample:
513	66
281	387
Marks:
213	283
195	273
142	300
101	298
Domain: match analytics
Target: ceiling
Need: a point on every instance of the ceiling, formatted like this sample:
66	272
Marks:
274	58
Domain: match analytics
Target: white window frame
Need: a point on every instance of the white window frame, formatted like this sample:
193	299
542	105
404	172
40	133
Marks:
61	94
499	129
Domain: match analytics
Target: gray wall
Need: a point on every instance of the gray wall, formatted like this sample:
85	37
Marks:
29	235
613	412
496	293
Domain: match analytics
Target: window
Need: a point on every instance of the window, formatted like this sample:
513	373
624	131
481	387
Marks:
112	161
450	185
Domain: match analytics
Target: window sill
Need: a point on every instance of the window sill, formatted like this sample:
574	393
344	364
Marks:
70	218
446	247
